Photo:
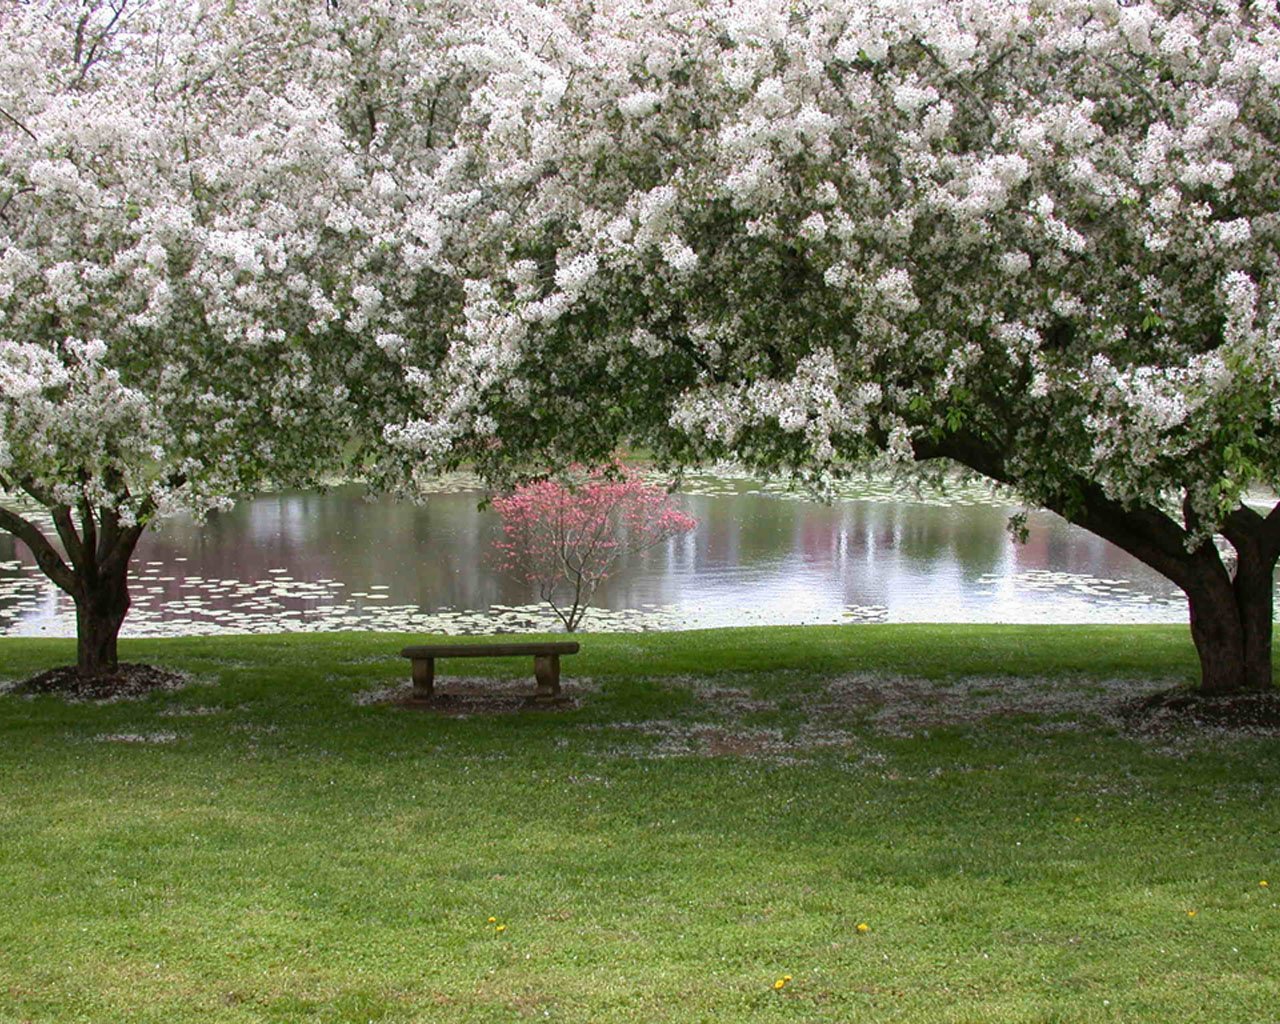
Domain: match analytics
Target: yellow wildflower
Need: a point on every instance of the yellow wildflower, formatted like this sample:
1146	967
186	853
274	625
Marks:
493	920
777	985
1191	913
501	928
863	928
1263	883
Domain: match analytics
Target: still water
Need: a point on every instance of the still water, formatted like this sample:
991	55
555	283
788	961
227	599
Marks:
760	554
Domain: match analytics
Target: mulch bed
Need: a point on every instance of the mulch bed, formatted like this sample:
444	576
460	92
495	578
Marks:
1257	713
130	680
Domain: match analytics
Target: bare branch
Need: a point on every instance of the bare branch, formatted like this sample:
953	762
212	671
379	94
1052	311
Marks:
957	80
126	540
88	527
10	198
1144	532
92	57
37	493
13	120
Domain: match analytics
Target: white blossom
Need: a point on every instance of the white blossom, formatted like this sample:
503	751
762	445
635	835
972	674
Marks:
894	288
639	104
678	256
577	272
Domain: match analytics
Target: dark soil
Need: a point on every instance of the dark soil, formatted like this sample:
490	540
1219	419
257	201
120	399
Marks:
1257	713
126	682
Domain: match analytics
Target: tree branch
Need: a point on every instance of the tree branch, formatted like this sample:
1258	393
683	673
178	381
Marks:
108	533
1246	528
1271	527
71	542
88	527
122	550
88	60
956	79
1144	532
13	120
4	208
37	493
46	555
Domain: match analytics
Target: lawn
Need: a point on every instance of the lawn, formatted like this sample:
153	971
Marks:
719	811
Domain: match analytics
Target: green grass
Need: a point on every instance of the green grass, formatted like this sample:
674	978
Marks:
708	820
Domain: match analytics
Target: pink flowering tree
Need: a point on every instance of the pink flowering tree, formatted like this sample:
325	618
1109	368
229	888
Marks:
565	538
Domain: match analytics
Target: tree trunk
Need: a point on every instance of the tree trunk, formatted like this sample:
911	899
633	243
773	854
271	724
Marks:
94	570
1231	619
1255	596
1231	615
1233	658
100	612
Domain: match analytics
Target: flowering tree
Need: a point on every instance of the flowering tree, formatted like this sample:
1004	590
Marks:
190	197
1036	239
566	537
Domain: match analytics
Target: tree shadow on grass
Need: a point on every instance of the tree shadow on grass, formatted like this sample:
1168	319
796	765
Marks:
461	697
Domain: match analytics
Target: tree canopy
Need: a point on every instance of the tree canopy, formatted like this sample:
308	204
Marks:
1038	239
190	202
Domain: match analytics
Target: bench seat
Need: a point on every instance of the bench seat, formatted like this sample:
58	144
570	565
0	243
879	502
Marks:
546	662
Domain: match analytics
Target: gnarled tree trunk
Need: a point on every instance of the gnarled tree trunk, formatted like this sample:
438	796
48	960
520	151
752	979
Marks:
1231	611
1256	540
99	554
1231	627
94	572
100	612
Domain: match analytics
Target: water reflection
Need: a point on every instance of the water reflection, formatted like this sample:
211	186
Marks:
312	561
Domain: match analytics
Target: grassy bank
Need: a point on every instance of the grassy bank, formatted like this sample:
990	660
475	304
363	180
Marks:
719	811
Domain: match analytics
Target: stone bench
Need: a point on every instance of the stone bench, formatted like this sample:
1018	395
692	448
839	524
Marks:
546	662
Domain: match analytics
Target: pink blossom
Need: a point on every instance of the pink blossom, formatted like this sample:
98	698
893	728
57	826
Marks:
566	536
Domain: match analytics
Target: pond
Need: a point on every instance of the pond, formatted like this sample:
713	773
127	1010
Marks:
761	555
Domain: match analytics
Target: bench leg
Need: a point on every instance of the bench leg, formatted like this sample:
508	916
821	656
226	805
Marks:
546	669
424	678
